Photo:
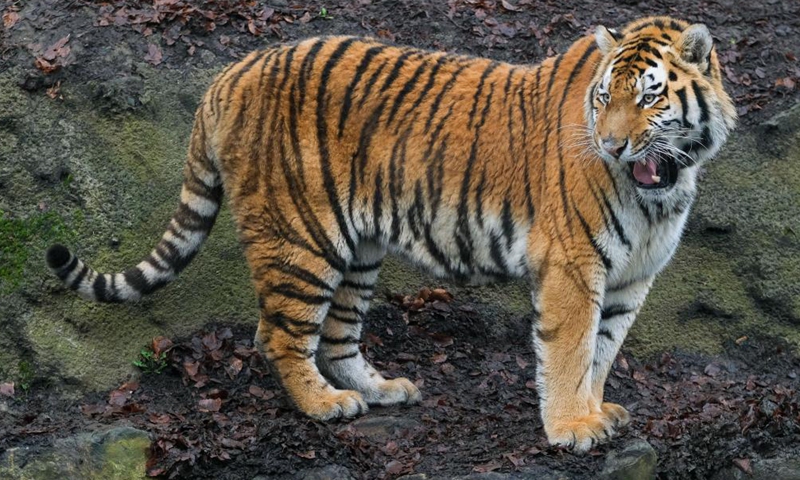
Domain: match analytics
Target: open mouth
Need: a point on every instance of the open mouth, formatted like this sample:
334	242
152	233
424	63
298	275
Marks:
655	171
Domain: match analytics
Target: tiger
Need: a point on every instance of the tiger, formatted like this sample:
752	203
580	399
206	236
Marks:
576	174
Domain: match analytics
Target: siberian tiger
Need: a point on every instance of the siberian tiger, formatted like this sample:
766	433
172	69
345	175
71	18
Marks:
577	173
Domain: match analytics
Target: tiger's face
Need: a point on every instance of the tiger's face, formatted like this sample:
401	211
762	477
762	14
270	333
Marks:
657	104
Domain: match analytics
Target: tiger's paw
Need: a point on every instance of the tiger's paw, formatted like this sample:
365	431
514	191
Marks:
332	404
398	391
617	414
581	434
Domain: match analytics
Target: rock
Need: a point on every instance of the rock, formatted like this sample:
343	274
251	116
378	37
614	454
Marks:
383	427
530	473
117	453
121	94
637	461
330	472
779	468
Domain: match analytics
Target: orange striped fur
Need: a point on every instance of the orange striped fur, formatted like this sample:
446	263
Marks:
577	174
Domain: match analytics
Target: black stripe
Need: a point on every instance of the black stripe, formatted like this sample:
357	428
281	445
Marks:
188	219
365	268
64	272
613	311
305	72
338	341
342	357
369	55
322	139
424	91
371	83
282	321
588	231
606	333
354	309
684	106
701	102
508	223
395	72
615	221
464	233
486	72
547	335
356	285
377	203
100	288
407	88
301	274
438	100
76	282
289	290
339	318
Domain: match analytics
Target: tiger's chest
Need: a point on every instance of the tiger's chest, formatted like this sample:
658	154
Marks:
651	244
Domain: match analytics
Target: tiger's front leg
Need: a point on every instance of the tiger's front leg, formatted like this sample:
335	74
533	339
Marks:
567	308
620	307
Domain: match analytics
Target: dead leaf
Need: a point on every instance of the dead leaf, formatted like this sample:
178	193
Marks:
161	345
10	19
487	467
55	91
439	358
311	454
154	55
521	363
209	404
45	66
306	18
394	467
743	464
785	82
7	389
509	6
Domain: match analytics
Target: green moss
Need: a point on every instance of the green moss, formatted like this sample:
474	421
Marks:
20	237
124	459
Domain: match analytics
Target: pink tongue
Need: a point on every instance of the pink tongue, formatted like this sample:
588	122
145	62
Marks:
644	173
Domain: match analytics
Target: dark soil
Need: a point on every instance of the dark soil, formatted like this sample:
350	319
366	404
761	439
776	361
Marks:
758	42
217	412
480	411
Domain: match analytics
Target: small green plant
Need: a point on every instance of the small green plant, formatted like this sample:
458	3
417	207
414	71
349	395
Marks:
26	375
323	13
150	363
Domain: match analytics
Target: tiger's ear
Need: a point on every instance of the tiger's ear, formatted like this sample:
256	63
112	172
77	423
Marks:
606	39
695	44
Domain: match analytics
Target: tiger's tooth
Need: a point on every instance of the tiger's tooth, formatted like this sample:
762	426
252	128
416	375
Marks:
656	178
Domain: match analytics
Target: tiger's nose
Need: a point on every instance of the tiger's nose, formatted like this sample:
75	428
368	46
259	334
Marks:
614	147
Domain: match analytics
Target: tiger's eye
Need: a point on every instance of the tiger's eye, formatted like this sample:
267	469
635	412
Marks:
648	99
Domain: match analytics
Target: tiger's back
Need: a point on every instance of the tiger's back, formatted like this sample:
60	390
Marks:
336	150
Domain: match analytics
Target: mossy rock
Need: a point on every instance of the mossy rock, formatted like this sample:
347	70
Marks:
116	454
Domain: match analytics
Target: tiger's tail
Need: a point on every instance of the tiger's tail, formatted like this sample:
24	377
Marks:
201	195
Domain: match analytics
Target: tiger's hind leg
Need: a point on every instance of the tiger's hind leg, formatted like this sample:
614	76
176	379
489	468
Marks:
295	288
339	357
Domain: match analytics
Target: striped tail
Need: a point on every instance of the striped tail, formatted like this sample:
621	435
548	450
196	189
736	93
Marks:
201	195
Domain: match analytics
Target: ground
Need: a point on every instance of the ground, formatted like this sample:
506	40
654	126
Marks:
96	101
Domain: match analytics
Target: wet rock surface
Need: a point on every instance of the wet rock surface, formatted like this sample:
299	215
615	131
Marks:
117	453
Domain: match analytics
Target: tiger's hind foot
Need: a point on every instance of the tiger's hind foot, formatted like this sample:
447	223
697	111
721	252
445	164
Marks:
617	414
397	391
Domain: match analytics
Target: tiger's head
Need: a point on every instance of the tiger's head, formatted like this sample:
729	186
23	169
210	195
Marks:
657	104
